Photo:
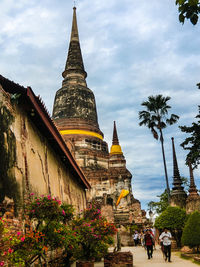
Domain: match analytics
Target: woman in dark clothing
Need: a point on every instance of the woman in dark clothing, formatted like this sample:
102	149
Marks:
149	242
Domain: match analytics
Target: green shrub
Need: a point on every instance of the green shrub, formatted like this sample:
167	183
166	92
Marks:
191	231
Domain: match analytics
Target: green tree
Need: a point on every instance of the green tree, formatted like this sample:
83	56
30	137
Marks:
188	9
161	205
155	118
191	231
172	218
192	143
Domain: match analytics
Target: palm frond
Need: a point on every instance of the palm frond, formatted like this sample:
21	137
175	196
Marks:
173	119
156	114
163	125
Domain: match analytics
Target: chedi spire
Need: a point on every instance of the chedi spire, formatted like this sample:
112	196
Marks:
178	195
115	148
177	183
75	102
192	189
74	64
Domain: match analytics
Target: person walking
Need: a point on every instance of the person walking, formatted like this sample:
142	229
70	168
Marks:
153	234
142	238
165	239
136	238
149	242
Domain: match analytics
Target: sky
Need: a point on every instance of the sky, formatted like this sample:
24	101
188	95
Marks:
131	49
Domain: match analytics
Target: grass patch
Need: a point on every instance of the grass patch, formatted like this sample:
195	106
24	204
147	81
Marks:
189	257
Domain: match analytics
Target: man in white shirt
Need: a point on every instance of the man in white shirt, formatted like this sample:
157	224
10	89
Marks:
136	238
165	238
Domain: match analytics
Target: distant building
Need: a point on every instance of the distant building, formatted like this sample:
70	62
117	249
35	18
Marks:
75	115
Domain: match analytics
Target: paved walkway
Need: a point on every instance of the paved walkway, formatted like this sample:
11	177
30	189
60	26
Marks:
140	259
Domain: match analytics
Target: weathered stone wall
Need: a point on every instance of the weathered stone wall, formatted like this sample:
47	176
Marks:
192	204
107	211
8	184
37	168
178	199
137	214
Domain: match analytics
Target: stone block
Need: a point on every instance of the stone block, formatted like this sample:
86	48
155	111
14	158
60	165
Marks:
118	259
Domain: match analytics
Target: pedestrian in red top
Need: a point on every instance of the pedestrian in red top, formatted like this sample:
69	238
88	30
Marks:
149	242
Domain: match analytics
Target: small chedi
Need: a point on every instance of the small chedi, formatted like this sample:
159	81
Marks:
75	115
190	202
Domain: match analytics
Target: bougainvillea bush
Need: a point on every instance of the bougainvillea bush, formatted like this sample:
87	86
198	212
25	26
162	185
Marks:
47	229
95	234
50	227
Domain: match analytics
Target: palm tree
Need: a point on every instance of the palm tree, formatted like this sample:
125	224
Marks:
155	118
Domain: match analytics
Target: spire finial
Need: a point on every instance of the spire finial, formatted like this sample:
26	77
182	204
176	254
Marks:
74	65
74	32
115	140
74	4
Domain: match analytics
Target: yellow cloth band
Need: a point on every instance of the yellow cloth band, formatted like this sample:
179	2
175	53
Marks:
116	149
81	132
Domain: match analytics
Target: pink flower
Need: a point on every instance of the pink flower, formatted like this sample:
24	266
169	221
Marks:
10	250
31	194
22	239
1	263
5	253
18	233
63	212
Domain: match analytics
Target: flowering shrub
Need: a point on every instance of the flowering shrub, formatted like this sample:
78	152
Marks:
49	226
47	229
49	209
95	234
26	248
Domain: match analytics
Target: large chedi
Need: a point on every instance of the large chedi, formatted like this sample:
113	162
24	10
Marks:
75	116
74	110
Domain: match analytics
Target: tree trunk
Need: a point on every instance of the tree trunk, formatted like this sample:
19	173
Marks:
165	166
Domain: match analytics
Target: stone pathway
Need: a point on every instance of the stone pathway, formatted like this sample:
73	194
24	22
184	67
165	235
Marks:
140	259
